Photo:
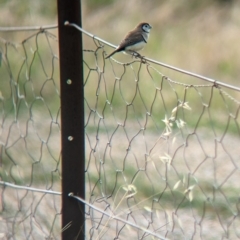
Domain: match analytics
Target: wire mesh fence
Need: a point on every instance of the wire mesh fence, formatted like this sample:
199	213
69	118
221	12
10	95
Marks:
30	165
162	147
162	151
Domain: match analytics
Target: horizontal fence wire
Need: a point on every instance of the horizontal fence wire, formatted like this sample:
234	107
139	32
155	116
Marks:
30	176
162	149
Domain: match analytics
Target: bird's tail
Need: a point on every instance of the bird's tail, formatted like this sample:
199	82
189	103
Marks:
111	54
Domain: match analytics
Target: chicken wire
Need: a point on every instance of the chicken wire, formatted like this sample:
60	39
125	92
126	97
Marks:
30	204
162	150
162	155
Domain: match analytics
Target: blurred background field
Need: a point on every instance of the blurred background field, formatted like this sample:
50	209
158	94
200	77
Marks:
198	36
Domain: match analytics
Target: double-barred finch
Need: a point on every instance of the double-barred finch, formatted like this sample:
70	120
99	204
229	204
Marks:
135	40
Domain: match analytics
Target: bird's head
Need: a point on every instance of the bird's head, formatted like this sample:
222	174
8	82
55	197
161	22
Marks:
146	27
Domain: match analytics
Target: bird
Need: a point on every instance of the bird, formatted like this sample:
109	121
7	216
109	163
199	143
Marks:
135	40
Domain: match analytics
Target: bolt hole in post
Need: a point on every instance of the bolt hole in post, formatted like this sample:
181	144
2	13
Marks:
70	138
69	81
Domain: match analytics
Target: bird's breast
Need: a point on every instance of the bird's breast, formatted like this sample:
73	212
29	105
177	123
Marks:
136	46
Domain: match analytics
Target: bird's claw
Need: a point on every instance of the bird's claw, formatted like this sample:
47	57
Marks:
138	55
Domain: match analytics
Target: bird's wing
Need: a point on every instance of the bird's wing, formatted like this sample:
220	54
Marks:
131	39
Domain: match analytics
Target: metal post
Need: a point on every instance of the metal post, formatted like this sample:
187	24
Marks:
72	119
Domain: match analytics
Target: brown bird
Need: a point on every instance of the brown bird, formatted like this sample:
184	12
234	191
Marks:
135	40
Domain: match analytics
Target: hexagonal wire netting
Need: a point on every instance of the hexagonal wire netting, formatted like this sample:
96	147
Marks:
162	150
162	155
30	204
